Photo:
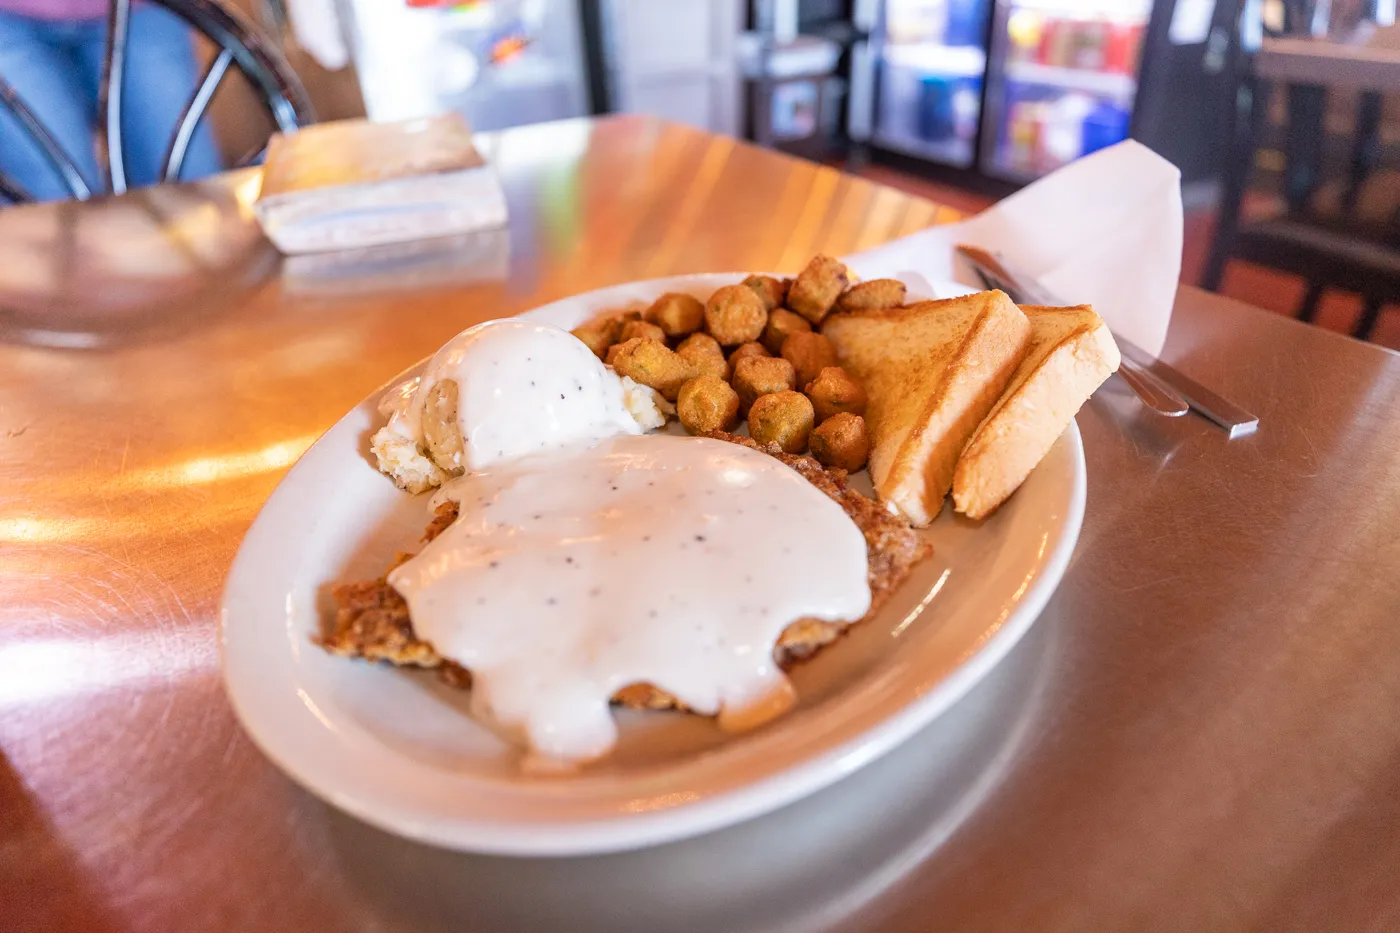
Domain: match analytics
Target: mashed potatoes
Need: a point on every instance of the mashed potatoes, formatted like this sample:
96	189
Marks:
503	390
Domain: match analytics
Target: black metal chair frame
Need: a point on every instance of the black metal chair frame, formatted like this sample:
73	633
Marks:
1300	242
239	43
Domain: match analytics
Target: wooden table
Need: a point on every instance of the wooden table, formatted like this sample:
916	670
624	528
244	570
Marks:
1200	733
1294	60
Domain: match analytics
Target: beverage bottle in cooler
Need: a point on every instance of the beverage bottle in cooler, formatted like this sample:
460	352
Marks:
1108	123
1022	136
937	120
967	105
1063	137
1091	44
964	22
1122	48
1057	42
1025	29
917	22
1133	60
1039	119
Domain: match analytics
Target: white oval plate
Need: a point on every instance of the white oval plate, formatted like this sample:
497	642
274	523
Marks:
398	750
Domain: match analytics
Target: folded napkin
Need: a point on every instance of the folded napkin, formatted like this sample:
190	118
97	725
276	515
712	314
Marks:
353	184
1105	231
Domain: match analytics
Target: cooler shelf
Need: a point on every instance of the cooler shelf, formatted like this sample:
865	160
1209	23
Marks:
1105	83
1125	12
953	151
959	61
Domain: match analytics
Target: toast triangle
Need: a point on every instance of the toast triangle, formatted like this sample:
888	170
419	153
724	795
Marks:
932	372
1071	354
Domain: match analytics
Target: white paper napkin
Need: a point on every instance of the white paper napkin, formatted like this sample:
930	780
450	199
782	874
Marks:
1105	231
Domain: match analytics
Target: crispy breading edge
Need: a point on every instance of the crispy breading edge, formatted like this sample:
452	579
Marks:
372	620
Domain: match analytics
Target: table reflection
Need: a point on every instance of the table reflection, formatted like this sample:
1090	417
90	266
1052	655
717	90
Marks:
843	847
118	271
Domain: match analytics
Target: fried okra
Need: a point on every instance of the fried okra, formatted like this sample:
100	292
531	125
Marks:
744	351
782	418
602	332
702	352
632	329
834	392
816	288
772	291
841	441
652	363
677	314
707	403
599	335
809	354
762	375
872	295
734	315
782	324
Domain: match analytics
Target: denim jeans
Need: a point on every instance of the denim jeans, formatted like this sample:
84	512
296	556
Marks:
55	67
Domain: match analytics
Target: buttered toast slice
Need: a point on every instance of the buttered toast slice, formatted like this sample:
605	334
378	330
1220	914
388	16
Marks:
1071	354
932	372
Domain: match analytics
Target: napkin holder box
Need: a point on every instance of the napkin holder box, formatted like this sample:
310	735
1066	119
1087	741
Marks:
442	262
355	184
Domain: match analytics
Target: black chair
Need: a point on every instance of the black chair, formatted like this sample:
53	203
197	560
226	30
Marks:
1320	234
239	45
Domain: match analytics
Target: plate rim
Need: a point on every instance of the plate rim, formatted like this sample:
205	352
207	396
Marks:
780	788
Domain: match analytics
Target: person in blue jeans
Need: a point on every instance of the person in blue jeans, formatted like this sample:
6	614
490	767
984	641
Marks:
51	53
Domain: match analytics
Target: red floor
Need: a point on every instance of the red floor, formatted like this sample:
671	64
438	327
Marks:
1264	288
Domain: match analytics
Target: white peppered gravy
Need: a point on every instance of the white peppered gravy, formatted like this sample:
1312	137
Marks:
522	388
668	560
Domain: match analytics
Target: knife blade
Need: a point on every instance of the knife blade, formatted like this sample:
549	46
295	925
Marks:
1159	386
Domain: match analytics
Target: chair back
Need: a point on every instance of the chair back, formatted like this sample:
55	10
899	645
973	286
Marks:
1338	229
240	45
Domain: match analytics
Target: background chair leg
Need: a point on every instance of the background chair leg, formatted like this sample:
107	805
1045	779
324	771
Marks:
1241	126
1308	309
1365	150
1370	313
1214	273
1307	108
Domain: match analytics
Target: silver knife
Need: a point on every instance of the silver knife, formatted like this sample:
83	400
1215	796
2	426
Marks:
1158	385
